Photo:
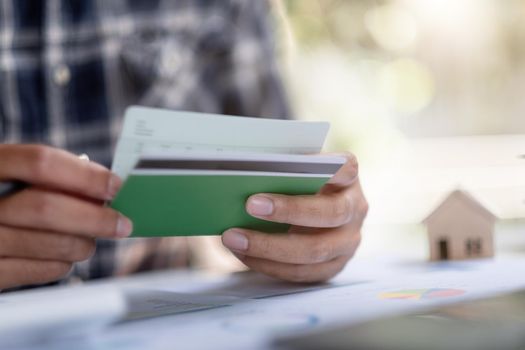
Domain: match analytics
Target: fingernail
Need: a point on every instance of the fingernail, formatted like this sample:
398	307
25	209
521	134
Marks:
124	226
235	240
113	186
260	206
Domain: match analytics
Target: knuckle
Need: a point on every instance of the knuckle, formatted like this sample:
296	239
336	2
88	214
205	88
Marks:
262	246
75	248
318	252
362	208
99	177
342	210
352	244
39	157
317	213
106	180
311	211
285	209
42	205
108	222
338	268
299	273
65	248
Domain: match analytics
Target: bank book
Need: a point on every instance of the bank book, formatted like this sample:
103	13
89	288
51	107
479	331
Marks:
190	174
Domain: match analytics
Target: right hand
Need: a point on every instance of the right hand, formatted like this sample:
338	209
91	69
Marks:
52	224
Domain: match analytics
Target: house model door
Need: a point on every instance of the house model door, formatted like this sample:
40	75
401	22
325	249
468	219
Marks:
443	249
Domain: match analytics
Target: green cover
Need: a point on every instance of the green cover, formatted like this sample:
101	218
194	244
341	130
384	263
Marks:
194	205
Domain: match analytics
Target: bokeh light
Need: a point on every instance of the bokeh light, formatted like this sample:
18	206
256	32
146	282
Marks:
392	27
407	86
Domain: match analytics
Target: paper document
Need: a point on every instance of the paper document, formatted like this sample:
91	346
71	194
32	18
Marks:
153	130
37	317
144	303
250	285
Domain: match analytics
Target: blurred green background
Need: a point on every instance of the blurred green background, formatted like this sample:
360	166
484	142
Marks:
384	70
427	93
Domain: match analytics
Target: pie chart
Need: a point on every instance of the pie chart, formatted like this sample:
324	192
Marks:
418	294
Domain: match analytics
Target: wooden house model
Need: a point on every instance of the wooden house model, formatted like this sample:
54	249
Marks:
460	228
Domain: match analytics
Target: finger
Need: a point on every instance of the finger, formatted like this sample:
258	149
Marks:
347	174
360	204
18	272
321	210
303	273
40	209
58	169
293	248
19	243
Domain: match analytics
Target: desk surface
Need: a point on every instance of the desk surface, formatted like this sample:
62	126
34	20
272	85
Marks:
260	308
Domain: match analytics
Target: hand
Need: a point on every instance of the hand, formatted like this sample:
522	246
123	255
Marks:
47	227
325	231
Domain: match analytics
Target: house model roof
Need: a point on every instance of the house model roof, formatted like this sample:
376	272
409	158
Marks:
459	195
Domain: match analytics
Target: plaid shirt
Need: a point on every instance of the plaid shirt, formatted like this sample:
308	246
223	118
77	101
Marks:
69	68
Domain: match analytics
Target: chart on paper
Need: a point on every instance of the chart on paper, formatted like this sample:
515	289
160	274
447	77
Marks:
432	293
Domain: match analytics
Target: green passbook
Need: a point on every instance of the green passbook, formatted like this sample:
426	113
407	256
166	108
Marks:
189	205
189	194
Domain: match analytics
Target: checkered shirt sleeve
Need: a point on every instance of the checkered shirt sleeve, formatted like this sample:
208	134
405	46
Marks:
69	69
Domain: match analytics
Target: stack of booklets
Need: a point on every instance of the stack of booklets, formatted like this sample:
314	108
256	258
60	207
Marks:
191	173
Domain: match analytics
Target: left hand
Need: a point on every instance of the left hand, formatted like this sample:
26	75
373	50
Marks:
325	231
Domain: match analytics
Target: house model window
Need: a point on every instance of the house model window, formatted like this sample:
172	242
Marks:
473	247
460	228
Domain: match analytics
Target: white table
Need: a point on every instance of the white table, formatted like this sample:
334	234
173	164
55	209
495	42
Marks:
366	289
